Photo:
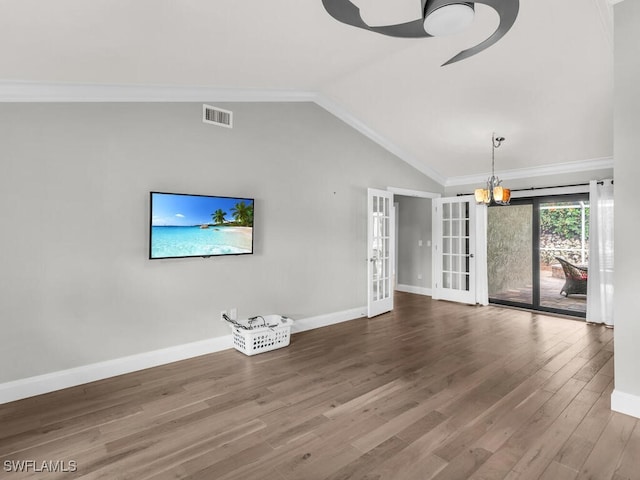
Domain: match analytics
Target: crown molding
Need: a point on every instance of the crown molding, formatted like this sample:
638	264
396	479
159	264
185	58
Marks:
541	171
37	92
76	92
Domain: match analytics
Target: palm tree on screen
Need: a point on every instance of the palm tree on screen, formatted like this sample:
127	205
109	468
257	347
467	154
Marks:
218	216
243	214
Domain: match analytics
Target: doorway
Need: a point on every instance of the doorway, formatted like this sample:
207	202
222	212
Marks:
414	261
538	253
413	244
386	263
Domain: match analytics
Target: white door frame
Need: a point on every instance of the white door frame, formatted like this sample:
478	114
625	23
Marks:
413	193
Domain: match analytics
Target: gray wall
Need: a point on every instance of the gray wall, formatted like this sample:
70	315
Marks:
414	224
77	286
627	175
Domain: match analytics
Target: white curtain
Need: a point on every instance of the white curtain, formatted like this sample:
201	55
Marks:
600	284
482	280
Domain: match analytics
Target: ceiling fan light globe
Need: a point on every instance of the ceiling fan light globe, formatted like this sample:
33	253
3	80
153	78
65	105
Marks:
449	19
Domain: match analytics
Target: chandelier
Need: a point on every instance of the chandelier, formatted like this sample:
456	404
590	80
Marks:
494	194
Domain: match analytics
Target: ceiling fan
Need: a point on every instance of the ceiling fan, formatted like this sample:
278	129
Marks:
440	17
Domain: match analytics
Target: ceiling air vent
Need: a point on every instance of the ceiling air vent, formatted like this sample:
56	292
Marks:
217	116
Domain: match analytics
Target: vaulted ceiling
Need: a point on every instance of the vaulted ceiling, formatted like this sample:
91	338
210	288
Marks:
547	86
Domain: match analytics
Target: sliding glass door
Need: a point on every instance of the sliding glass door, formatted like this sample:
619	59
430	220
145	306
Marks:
564	254
510	253
538	254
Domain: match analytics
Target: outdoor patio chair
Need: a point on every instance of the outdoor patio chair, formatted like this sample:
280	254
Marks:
575	278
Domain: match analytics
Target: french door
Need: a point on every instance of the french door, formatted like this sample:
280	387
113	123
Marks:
454	267
380	241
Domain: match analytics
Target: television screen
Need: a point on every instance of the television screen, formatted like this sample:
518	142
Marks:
199	226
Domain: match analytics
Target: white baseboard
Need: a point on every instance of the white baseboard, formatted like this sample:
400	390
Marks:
625	403
328	319
50	382
414	289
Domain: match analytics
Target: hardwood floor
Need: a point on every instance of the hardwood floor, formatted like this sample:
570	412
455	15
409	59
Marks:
433	390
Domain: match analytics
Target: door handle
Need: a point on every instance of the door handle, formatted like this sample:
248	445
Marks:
471	255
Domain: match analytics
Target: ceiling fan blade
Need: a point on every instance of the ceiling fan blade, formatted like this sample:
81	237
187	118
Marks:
346	12
508	11
413	29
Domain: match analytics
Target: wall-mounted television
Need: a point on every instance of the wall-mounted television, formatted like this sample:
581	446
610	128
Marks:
183	225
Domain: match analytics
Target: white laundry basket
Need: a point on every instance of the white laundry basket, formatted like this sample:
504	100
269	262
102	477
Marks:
261	334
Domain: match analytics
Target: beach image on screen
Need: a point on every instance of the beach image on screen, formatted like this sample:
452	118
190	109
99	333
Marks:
200	226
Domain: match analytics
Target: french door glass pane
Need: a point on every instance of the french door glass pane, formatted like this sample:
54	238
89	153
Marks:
381	249
455	246
510	253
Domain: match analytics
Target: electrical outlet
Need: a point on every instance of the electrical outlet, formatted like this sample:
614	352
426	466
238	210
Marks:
419	243
222	314
419	276
233	313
